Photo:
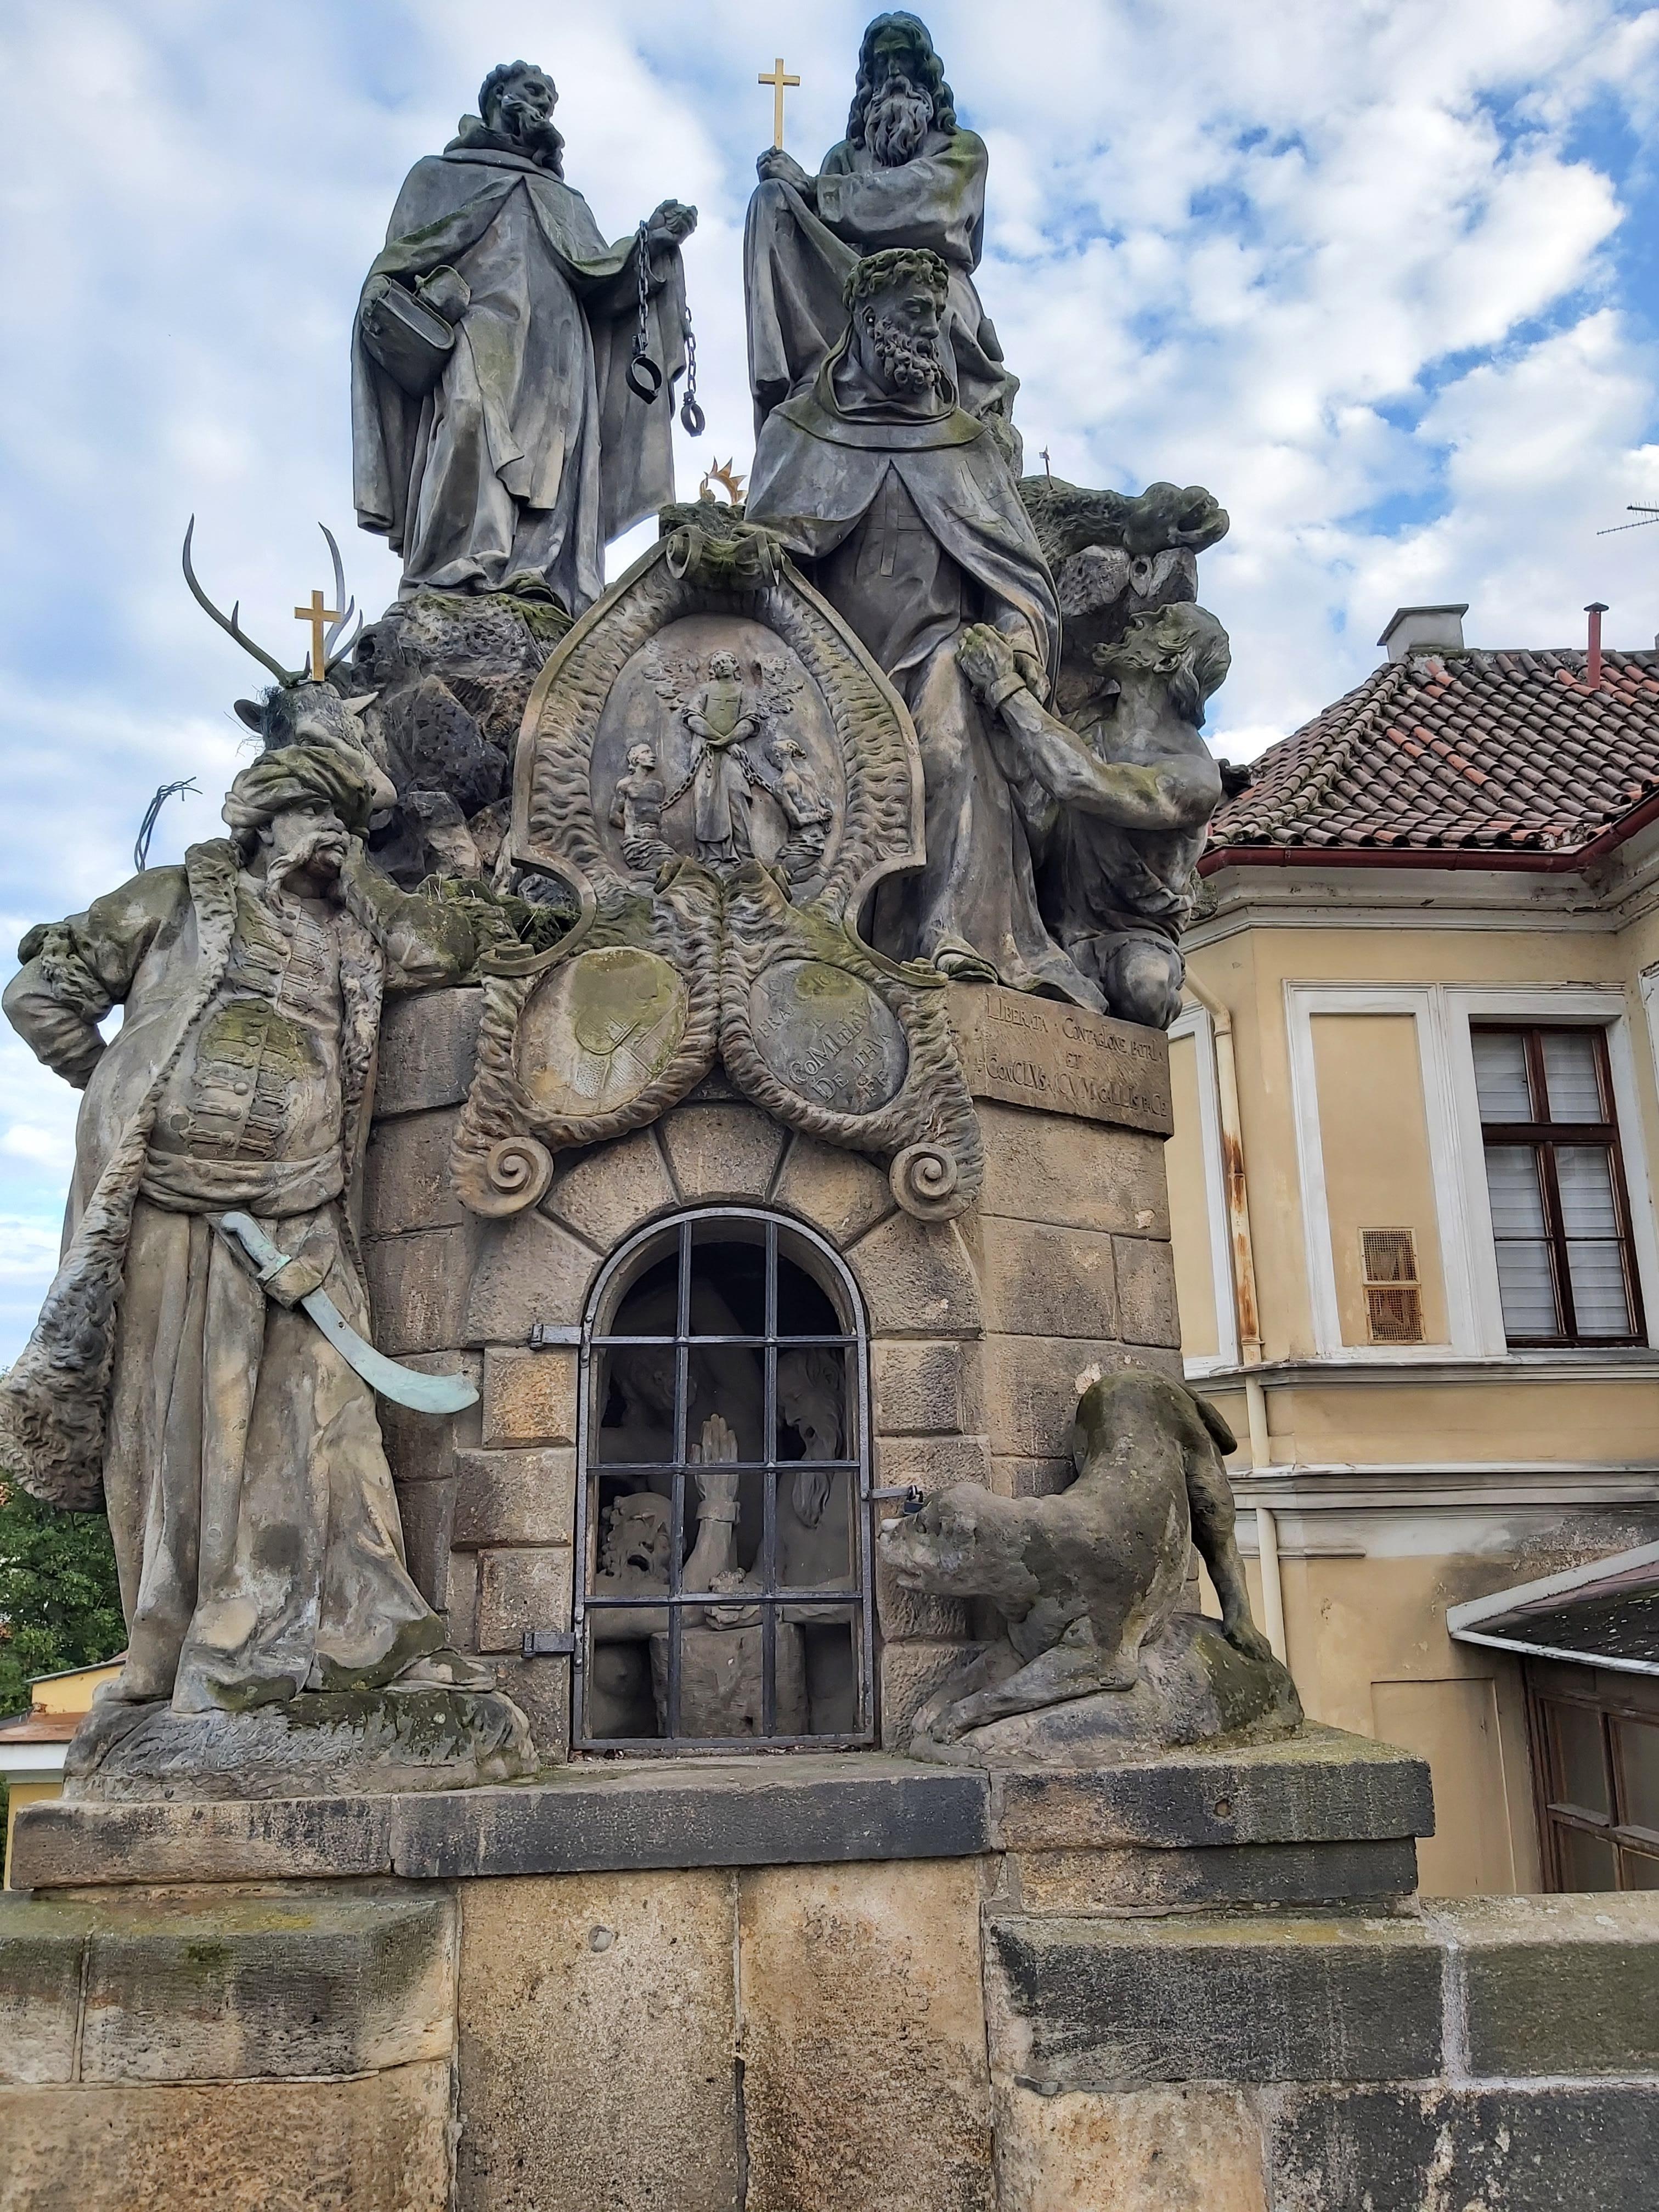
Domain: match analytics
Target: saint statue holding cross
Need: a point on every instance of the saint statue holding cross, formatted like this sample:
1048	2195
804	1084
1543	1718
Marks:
496	439
907	174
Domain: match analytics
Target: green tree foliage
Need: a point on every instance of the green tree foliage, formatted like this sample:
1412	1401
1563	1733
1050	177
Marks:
60	1606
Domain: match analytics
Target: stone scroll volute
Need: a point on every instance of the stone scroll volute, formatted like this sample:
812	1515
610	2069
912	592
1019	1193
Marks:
717	770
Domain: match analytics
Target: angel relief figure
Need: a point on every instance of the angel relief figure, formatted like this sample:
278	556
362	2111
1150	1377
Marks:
732	752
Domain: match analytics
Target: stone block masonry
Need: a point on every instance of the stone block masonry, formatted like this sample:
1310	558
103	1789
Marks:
907	2033
981	1330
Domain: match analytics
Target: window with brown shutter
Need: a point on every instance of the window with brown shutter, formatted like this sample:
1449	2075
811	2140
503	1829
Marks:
1560	1214
1394	1293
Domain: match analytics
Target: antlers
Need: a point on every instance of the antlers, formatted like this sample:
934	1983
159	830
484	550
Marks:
286	677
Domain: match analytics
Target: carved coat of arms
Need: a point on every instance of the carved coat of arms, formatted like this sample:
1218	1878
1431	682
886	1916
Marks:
719	773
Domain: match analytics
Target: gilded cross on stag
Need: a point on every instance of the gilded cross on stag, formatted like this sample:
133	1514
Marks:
320	617
777	81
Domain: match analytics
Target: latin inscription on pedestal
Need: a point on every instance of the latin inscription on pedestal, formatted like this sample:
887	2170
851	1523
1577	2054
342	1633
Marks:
1044	1053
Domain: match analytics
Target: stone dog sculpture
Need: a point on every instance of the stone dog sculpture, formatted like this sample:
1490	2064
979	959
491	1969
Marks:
1089	1584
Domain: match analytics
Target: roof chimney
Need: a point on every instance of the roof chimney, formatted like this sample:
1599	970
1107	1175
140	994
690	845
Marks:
1420	629
1595	609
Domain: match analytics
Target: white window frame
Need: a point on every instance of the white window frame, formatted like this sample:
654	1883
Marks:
1303	1001
1442	1013
1196	1021
1560	1005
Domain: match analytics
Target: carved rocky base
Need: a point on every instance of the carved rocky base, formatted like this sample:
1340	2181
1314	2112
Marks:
319	1744
1192	1687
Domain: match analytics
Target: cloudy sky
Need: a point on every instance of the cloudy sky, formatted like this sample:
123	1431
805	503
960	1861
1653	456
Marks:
1382	276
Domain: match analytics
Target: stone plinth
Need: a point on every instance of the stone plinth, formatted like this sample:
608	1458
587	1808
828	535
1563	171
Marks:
1197	1980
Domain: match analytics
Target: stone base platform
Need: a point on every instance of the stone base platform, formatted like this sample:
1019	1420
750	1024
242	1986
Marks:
1324	1815
817	1984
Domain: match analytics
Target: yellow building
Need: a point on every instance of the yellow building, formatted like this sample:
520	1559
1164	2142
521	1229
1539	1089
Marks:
33	1746
1414	1222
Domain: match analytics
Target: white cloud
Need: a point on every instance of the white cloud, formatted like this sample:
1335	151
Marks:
1355	268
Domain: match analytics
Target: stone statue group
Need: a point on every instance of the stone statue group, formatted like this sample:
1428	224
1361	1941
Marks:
1043	638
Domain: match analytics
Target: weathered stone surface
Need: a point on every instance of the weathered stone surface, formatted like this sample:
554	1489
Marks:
515	1498
808	1809
1557	1984
418	1289
721	1152
910	1672
406	1179
1192	1687
1475	2150
380	2144
843	1194
421	1447
1141	2150
1146	1291
864	2079
1138	1880
1037	1052
905	1614
1048	1282
1051	1167
1098	2003
931	1464
426	1511
429	1042
521	1589
461	1588
529	1397
598	2033
321	1743
529	1270
917	1278
1324	1785
923	1389
54	1845
606	1193
42	1944
1030	1478
540	1688
209	1987
811	1809
1032	1385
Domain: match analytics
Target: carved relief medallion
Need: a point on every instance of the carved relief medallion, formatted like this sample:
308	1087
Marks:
598	1028
828	1035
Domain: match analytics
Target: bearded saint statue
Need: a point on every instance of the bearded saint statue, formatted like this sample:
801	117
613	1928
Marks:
907	174
905	512
495	441
240	1458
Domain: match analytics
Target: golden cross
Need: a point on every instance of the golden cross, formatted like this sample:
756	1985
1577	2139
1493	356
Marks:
318	616
777	81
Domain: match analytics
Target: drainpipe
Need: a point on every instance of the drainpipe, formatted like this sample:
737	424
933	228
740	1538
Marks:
1595	609
1242	1256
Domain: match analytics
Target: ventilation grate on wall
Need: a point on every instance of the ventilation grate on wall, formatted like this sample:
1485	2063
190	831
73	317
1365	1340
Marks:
1393	1296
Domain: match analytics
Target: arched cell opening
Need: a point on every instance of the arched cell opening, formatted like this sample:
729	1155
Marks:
724	1594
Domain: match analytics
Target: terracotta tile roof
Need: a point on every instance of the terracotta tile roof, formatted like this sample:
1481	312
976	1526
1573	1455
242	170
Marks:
40	1728
1463	750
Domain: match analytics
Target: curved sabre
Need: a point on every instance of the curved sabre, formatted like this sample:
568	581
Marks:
425	1393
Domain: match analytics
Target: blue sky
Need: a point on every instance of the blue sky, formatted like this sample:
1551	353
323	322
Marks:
1381	276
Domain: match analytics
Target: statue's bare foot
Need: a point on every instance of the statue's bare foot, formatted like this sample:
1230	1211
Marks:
959	961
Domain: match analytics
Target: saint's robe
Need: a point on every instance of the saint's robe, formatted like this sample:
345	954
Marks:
531	452
911	524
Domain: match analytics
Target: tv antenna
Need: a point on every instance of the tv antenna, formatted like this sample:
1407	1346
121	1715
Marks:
1648	515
